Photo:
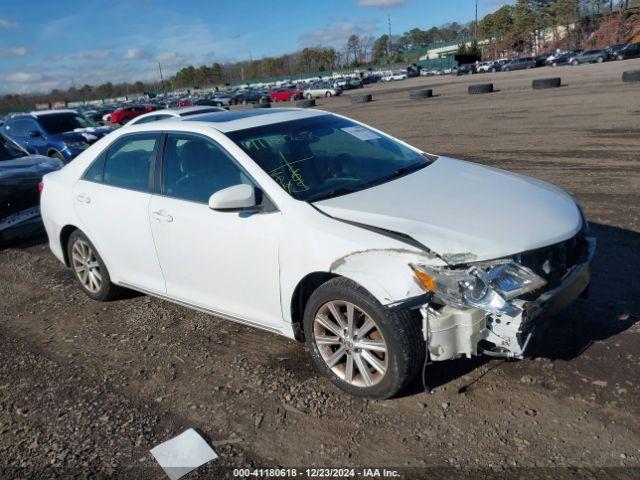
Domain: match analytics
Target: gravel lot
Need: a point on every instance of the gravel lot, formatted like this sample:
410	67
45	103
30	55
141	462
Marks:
90	387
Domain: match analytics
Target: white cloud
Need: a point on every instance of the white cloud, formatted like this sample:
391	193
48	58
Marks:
338	33
24	77
91	55
13	52
381	3
7	24
136	53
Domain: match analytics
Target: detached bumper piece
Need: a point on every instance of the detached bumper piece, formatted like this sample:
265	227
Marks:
453	333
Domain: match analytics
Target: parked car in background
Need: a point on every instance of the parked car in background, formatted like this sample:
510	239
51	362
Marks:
167	113
97	115
465	69
519	64
123	114
613	50
631	50
394	76
20	174
483	67
590	56
249	96
348	83
541	60
562	58
316	218
318	90
285	95
184	102
62	134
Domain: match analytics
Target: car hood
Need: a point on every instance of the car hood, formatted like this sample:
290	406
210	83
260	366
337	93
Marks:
87	135
26	169
463	211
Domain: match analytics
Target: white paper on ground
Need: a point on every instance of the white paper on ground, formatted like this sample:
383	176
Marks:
183	453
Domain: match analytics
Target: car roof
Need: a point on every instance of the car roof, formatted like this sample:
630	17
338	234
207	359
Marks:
38	113
229	121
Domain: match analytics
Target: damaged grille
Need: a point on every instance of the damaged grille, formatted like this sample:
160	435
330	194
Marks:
554	261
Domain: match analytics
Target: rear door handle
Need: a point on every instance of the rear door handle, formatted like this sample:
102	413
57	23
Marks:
83	198
162	216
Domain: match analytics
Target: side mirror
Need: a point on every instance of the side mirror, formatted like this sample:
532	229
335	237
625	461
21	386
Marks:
233	199
34	133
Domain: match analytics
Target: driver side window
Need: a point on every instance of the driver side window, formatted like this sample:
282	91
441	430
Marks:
194	168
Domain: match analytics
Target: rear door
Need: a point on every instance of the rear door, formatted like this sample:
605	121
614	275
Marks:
225	262
112	200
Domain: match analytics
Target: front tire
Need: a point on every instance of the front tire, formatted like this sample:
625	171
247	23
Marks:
89	269
364	348
58	155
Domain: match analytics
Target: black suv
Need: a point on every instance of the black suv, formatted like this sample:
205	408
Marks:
632	50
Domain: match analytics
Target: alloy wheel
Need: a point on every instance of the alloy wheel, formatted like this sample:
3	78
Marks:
350	343
86	266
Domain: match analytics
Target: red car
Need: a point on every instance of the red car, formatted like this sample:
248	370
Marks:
184	102
123	114
285	95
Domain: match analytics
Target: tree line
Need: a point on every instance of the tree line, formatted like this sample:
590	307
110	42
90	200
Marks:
527	26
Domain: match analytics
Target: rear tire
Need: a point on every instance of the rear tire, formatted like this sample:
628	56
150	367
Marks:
393	341
89	270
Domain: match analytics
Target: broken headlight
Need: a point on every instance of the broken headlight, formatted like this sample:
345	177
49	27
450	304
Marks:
487	286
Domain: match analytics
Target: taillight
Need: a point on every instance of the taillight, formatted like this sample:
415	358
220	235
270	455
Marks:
40	188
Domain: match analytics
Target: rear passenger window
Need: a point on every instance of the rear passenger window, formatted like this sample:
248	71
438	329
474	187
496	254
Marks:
128	162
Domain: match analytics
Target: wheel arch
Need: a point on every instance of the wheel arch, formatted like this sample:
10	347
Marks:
301	294
65	234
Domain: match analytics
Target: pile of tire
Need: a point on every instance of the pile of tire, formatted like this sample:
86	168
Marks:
631	76
362	98
418	94
542	83
306	103
480	88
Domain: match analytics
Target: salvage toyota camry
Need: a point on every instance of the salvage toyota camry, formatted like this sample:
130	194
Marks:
325	230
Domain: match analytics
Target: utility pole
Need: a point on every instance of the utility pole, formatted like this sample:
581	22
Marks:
161	79
389	41
475	29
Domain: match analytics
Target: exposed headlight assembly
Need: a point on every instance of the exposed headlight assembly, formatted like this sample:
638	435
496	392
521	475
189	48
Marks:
487	286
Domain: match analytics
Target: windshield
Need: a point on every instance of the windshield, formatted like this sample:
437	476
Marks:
64	122
9	150
326	156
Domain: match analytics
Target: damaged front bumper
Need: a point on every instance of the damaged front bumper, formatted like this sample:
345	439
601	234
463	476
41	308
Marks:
452	332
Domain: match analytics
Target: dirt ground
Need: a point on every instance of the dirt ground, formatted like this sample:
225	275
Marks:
89	388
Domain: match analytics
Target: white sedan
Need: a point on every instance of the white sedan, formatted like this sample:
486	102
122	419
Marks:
167	113
394	76
318	91
322	229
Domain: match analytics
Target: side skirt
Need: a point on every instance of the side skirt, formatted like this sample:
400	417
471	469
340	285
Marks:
225	316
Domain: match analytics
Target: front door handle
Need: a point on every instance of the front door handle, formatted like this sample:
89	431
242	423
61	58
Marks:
162	216
83	198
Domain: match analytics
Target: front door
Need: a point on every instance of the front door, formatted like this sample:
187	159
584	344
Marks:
226	262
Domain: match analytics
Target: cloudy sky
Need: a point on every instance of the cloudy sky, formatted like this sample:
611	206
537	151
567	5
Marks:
48	44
